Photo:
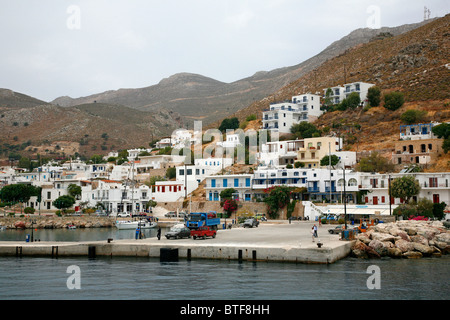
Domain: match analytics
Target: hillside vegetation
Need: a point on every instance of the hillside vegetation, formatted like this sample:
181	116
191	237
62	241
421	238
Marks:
415	63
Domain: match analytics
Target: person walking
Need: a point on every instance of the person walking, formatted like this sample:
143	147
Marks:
315	230
312	234
158	234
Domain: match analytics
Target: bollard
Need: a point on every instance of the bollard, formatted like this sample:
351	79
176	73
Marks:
91	252
189	254
54	251
168	255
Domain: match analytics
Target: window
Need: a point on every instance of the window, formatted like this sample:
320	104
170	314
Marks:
236	182
213	183
433	183
352	182
225	183
247	182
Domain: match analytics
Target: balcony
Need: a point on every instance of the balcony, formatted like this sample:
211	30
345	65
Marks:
313	189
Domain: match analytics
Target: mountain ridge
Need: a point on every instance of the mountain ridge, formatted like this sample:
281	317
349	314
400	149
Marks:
197	97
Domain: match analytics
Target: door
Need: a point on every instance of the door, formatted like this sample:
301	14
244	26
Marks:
375	200
436	198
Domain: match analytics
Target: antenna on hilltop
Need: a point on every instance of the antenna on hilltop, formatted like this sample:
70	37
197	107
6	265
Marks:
426	13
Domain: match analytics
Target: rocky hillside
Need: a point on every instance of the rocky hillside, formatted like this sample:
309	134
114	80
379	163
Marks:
196	97
86	129
415	63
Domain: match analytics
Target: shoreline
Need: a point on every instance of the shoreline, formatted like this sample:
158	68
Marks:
268	242
278	242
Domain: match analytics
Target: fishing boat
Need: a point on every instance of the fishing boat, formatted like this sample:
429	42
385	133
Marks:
71	227
128	225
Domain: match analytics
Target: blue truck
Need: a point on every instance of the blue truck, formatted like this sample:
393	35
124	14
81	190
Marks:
202	219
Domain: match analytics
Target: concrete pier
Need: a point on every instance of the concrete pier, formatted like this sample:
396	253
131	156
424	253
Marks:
268	242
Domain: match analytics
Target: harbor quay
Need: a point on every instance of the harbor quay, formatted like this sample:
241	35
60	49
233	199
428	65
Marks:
270	242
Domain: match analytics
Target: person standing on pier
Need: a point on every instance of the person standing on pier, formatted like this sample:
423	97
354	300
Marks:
158	234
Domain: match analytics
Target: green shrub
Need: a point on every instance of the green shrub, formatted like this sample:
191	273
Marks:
29	210
413	116
393	100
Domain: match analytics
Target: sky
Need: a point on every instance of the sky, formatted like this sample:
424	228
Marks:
53	48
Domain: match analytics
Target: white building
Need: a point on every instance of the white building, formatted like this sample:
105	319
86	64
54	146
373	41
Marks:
282	116
134	153
115	196
171	191
435	186
339	93
232	140
418	131
242	183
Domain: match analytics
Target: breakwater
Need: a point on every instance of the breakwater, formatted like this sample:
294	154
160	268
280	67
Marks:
55	222
403	239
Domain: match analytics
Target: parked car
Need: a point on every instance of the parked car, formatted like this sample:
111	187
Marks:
178	231
203	232
250	223
339	228
183	214
101	214
123	215
336	230
139	214
170	214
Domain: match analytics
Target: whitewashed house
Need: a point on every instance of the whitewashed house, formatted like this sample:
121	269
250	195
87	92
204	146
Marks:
282	116
339	93
116	197
242	183
435	186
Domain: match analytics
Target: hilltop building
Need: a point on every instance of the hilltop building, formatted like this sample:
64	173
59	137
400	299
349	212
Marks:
280	117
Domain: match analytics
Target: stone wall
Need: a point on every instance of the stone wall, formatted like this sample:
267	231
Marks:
55	222
246	207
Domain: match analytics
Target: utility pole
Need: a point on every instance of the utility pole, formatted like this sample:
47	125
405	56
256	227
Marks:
345	200
329	162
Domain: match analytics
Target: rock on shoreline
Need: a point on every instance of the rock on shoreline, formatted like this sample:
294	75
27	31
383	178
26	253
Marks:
45	222
403	239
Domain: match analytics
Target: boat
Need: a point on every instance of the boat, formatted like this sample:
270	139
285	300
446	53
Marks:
128	225
71	227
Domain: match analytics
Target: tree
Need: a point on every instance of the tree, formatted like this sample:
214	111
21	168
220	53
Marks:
438	210
353	100
374	163
328	100
393	100
227	193
298	164
374	96
64	202
325	161
405	188
171	173
96	158
229	206
18	193
278	197
232	123
413	116
443	131
74	190
305	130
425	208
